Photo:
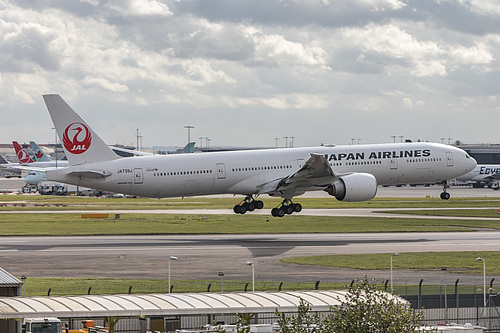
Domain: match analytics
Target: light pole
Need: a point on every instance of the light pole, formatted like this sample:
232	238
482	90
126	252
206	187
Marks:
484	277
392	255
189	132
445	297
24	284
249	263
55	144
170	259
221	282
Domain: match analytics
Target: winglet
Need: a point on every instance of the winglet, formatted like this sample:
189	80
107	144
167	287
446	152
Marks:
22	155
81	144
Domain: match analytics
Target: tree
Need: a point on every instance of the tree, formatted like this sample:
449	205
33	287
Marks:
303	322
364	310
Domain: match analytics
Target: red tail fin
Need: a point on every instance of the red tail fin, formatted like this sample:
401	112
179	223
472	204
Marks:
22	155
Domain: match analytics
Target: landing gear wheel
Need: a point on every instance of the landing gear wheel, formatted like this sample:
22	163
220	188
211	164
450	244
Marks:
281	212
243	209
274	212
250	206
297	207
236	209
288	209
258	204
445	195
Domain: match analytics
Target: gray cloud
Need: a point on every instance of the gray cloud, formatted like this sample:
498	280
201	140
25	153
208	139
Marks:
245	72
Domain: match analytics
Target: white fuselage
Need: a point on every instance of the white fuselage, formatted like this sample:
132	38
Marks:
245	172
482	172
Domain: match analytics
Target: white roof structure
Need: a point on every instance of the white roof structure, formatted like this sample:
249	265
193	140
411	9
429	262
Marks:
7	279
165	304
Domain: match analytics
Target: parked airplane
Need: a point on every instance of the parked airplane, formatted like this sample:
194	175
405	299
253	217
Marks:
483	174
35	177
22	155
6	166
349	173
25	159
38	154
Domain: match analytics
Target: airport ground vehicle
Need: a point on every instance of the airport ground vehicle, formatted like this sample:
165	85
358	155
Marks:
50	189
42	325
54	325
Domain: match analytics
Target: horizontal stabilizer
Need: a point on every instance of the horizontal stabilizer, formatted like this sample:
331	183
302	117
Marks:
90	174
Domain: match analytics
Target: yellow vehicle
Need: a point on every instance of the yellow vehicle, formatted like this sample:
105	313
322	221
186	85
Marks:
88	327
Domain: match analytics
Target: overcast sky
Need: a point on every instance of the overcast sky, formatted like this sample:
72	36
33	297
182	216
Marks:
246	72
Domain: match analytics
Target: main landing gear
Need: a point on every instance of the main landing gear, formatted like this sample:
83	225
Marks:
249	204
286	207
445	195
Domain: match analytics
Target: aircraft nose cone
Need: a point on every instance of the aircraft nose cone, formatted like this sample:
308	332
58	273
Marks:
471	163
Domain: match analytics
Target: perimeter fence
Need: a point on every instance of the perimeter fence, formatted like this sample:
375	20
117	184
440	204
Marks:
449	299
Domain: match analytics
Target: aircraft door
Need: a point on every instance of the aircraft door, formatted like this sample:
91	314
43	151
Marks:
221	171
449	159
394	164
138	176
301	162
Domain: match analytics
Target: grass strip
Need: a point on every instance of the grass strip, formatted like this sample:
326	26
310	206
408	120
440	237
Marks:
471	212
38	286
71	224
457	262
38	202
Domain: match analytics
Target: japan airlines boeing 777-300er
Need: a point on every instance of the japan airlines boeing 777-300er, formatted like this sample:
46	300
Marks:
349	173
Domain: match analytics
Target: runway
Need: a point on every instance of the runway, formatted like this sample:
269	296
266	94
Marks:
202	257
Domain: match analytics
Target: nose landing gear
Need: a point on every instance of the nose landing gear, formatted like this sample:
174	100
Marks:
445	195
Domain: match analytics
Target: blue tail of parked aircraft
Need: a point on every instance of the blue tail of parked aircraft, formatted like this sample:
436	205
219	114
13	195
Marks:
39	156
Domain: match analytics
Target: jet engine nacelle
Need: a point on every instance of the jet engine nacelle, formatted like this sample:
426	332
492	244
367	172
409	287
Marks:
354	187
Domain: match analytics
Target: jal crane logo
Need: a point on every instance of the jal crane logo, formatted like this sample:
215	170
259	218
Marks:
77	138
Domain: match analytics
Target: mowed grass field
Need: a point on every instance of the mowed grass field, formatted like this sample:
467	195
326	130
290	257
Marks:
458	262
170	222
61	203
72	224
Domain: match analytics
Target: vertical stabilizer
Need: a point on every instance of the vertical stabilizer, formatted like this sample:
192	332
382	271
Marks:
81	144
40	155
189	148
22	156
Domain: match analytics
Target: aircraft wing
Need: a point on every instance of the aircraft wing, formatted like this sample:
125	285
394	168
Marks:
316	172
27	168
3	160
495	176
